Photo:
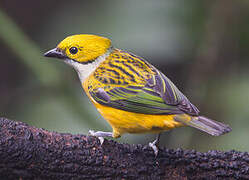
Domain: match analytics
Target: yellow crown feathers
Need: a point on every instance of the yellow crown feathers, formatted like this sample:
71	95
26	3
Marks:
84	47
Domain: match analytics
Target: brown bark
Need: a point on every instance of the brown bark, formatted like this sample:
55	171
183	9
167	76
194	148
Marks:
31	153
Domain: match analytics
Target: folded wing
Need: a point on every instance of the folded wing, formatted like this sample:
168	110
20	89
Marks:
157	95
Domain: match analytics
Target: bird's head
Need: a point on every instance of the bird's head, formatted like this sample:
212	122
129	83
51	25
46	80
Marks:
84	52
82	48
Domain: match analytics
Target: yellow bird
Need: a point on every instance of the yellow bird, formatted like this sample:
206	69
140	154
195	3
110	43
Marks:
130	93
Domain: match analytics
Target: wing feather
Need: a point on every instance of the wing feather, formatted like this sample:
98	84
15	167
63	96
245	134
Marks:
153	94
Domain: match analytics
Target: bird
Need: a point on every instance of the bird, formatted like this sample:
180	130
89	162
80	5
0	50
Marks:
132	95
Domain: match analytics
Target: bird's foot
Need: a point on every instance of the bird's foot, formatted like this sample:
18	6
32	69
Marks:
154	145
100	135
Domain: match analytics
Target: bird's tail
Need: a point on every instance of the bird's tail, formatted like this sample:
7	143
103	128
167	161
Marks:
204	124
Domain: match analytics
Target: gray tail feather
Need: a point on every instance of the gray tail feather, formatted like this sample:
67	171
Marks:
207	125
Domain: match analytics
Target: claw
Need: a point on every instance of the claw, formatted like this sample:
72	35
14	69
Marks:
154	145
91	132
101	140
100	135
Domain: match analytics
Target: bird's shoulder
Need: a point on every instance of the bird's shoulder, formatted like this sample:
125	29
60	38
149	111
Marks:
121	69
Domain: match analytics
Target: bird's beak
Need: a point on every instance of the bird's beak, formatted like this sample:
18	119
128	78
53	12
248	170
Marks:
55	53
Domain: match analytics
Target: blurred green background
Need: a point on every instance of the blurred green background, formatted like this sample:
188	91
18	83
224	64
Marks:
202	46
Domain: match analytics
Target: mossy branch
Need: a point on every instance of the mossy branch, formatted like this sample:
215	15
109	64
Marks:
31	153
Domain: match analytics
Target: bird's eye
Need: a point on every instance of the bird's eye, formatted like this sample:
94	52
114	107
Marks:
73	50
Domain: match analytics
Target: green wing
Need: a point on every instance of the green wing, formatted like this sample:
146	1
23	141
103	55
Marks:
158	96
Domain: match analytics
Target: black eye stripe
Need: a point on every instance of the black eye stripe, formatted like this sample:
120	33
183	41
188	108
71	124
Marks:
73	50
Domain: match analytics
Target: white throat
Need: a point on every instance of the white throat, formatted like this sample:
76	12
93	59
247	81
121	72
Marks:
84	70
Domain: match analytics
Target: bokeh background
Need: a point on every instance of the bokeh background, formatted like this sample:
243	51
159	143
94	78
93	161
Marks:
202	46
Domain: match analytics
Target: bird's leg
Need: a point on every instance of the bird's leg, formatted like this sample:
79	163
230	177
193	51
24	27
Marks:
154	144
100	135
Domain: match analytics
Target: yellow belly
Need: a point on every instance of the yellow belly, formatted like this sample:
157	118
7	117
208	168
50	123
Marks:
129	122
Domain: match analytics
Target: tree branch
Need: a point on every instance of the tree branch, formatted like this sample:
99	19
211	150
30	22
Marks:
31	153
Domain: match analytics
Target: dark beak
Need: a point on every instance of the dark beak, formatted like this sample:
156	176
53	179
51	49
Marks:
55	53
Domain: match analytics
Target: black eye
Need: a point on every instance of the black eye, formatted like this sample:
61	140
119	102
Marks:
73	50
